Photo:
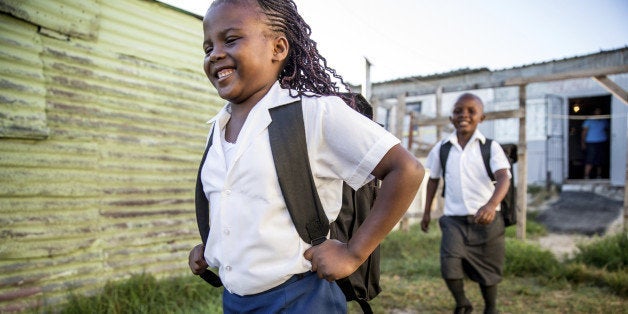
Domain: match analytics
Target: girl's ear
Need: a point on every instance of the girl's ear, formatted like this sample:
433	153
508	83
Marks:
482	117
280	48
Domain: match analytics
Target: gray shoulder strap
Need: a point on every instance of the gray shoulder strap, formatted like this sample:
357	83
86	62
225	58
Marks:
287	141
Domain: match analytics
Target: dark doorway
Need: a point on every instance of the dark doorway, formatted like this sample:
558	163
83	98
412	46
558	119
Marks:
579	109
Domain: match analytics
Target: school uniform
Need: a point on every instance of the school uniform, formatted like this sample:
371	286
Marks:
252	240
466	247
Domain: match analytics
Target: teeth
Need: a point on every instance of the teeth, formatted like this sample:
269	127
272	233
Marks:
224	73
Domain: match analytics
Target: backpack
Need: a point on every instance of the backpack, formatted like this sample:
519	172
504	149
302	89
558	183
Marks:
288	145
509	203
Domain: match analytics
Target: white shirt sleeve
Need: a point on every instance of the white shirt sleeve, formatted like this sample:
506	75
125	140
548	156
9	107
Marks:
498	158
344	143
433	161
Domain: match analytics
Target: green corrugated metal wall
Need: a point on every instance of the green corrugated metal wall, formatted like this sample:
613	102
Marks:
102	124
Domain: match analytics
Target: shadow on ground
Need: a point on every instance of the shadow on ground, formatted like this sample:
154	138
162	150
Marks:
580	212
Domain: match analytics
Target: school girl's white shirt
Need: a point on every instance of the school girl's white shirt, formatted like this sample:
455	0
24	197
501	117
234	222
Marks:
252	240
467	185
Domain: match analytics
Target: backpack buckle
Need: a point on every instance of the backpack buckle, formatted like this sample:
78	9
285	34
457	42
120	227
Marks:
318	241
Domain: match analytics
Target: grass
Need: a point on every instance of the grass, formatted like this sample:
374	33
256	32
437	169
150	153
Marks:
593	281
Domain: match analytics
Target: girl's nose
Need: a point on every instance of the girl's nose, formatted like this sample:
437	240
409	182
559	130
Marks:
216	54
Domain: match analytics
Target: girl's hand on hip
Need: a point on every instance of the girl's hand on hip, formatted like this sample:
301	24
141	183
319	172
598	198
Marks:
332	260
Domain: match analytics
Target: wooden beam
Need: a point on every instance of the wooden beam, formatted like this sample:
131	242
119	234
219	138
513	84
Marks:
443	121
566	75
612	87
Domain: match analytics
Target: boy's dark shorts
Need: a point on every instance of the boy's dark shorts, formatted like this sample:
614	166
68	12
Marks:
472	249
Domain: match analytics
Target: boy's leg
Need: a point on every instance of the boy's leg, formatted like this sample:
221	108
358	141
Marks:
489	293
451	252
456	287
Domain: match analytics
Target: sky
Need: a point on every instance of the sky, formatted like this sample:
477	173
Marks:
405	38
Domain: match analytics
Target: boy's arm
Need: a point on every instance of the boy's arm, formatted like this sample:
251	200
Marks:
432	186
401	174
486	213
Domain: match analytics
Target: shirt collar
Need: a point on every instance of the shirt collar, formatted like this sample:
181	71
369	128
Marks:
275	97
477	135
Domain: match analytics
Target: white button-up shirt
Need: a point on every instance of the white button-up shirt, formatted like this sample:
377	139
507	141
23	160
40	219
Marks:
252	240
467	185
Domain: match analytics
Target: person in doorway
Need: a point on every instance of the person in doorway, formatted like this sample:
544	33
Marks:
259	55
594	141
472	241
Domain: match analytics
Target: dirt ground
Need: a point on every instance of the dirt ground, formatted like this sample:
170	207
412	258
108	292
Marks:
578	217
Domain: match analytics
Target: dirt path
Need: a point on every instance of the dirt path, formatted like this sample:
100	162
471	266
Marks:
577	217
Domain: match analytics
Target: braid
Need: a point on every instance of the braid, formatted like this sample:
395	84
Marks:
305	70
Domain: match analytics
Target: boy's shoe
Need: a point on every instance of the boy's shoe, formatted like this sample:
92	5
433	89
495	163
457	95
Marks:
464	309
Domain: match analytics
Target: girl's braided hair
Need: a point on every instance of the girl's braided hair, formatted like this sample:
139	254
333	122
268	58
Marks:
305	70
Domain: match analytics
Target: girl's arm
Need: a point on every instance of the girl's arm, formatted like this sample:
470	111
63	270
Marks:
401	174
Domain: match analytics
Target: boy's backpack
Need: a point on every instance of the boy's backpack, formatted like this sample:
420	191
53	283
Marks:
288	145
509	203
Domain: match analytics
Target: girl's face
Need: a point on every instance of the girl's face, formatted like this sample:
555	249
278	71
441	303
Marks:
466	115
242	56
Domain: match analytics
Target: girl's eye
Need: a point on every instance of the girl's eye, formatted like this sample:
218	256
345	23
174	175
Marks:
208	50
230	39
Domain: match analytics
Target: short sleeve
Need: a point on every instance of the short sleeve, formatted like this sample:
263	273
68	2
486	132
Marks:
433	161
498	158
344	143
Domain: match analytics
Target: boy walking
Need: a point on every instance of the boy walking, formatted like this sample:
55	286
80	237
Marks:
472	228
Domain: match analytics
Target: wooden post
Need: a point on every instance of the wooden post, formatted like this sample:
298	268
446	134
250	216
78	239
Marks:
439	111
522	166
400	114
410	131
375	104
366	86
440	202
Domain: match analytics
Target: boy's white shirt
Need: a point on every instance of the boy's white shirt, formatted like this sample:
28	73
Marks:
252	239
468	186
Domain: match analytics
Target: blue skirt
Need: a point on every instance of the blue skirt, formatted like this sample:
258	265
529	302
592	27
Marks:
302	293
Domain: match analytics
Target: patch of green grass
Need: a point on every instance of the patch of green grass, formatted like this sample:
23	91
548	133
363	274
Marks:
534	282
411	253
533	228
145	294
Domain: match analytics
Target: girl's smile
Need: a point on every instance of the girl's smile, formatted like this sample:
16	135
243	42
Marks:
243	56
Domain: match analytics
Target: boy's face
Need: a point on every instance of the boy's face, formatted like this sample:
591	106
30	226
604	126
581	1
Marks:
242	57
466	115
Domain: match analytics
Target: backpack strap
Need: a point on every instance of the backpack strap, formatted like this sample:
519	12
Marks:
486	156
286	133
202	214
445	148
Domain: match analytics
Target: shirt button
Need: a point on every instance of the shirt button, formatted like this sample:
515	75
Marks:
226	231
228	268
227	192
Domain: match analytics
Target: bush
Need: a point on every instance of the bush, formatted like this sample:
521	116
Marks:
578	273
524	259
610	253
